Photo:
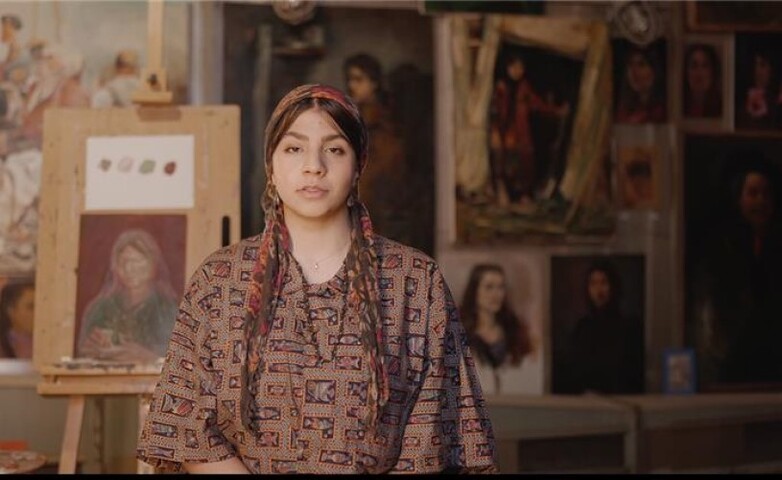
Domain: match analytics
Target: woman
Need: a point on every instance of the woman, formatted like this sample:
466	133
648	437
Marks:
382	181
606	346
641	98
703	88
737	306
17	312
511	140
132	316
497	336
317	346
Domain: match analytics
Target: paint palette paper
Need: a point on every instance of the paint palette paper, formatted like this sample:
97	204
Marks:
140	172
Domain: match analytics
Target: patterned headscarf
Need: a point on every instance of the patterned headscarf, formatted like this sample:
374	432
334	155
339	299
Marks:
272	262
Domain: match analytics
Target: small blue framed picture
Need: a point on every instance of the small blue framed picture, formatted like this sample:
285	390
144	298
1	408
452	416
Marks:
679	371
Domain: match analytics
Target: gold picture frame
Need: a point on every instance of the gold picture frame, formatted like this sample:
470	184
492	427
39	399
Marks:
582	205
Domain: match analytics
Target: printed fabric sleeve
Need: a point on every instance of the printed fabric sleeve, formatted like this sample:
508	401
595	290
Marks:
181	424
449	417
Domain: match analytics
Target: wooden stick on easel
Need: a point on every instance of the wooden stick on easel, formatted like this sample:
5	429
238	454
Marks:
154	83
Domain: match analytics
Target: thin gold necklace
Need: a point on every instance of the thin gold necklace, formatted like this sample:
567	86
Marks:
316	264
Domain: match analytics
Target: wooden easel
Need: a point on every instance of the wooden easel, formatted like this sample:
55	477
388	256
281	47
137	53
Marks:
211	222
94	383
154	91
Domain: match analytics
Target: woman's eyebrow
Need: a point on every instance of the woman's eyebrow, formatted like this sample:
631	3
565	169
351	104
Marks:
301	136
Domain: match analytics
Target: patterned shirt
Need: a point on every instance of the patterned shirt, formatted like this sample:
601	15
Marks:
312	396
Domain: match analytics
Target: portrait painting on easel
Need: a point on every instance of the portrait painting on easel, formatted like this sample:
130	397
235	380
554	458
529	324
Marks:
131	276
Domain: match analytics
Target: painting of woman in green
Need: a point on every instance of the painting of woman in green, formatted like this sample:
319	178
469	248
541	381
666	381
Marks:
132	317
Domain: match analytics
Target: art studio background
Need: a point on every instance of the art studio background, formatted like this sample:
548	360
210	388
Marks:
616	181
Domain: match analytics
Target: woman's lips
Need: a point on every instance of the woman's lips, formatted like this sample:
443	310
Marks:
312	192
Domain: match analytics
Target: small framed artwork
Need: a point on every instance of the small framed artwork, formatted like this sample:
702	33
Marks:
722	16
638	176
707	82
757	73
679	374
640	96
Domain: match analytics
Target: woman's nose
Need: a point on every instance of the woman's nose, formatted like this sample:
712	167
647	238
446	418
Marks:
314	162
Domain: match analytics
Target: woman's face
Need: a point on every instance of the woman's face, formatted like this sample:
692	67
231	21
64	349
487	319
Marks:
640	74
22	312
762	72
491	292
756	203
313	168
516	69
361	88
700	72
134	268
599	288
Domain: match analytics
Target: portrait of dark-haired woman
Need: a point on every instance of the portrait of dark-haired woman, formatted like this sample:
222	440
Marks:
702	82
606	345
738	305
497	336
17	312
640	76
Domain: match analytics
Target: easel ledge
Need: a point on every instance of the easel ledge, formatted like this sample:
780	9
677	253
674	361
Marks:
98	384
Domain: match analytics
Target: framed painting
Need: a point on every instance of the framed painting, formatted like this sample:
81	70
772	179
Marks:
757	73
533	115
381	55
733	16
640	85
679	371
513	360
732	260
49	59
707	76
597	324
638	177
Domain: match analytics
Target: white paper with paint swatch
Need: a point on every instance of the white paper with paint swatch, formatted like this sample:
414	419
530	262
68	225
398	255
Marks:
140	172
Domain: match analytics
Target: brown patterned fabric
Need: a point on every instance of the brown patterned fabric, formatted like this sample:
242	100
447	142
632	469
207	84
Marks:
311	399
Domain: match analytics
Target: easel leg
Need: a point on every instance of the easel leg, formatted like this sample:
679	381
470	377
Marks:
70	441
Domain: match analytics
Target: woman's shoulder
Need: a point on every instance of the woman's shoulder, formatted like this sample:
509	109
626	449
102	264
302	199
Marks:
392	253
239	256
244	249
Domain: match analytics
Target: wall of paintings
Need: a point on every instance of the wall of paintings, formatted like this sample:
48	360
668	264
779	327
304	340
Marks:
689	180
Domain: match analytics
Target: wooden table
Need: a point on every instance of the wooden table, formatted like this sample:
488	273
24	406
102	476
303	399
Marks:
20	461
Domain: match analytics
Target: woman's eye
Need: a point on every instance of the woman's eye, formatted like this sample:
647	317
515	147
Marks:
292	149
335	150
